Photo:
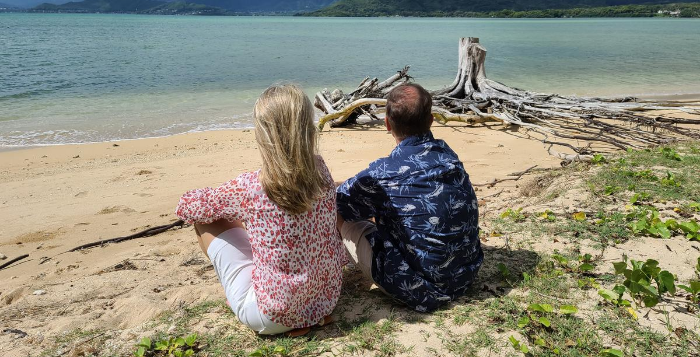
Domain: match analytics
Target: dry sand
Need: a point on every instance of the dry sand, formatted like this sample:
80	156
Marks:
56	198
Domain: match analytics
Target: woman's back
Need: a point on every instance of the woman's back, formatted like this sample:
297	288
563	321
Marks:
298	257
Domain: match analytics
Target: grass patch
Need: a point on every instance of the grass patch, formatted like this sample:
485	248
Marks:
648	171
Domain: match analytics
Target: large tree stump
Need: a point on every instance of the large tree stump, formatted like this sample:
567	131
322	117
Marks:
582	125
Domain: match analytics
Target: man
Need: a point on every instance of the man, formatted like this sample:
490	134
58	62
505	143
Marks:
423	248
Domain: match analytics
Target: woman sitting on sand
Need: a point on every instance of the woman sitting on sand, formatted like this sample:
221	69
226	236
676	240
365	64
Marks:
271	234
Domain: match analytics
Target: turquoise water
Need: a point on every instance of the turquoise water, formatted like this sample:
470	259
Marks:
68	78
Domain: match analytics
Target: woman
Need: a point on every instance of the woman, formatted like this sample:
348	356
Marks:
271	234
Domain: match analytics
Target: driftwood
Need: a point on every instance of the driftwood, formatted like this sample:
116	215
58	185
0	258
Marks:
146	233
515	177
582	125
15	260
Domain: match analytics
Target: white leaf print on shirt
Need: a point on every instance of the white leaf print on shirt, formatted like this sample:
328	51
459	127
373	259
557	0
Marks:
408	208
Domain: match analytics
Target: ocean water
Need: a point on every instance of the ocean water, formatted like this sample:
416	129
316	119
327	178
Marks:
75	78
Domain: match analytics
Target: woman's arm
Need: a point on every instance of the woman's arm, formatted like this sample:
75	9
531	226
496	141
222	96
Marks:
206	205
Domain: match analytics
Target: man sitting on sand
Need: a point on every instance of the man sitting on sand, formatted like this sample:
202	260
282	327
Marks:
424	248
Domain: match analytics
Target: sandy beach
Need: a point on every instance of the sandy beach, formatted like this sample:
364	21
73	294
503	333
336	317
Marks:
55	198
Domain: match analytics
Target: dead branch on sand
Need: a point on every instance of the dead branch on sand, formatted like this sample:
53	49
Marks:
145	233
603	124
12	261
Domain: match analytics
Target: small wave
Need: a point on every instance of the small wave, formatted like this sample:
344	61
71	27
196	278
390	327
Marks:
18	139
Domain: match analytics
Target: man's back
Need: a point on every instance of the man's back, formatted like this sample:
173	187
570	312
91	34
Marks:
426	248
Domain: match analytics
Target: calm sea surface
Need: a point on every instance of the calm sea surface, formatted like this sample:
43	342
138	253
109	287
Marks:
86	78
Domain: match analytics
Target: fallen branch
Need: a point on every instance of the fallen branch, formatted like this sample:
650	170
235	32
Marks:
497	181
491	195
5	265
146	233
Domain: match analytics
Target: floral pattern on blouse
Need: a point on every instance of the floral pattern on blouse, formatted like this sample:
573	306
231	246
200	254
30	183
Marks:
426	249
298	258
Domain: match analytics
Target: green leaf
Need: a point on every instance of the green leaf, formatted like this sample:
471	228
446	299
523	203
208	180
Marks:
524	349
663	231
671	224
568	309
668	281
544	321
540	307
523	321
586	267
257	353
145	342
140	352
280	350
650	301
177	353
607	294
579	216
611	352
191	339
161	345
686	288
189	353
620	267
540	342
179	342
689	227
695	286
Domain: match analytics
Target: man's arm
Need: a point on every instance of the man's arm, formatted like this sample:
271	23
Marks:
357	197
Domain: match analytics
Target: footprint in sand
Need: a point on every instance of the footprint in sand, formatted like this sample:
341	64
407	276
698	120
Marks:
34	237
81	194
115	209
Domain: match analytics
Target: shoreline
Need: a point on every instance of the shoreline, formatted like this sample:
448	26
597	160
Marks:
679	98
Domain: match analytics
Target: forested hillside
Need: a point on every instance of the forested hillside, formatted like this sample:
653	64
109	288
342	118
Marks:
501	8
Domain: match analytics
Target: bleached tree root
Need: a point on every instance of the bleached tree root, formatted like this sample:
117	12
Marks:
582	125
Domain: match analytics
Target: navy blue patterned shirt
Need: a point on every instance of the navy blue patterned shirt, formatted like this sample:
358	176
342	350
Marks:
426	249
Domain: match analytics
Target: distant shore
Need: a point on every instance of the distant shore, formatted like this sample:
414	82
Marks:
673	10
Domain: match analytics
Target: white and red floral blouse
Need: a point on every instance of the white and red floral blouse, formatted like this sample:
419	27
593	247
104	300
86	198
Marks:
298	258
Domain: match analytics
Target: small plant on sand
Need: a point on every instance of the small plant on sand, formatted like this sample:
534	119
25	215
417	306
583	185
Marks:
670	154
515	215
547	215
645	220
693	288
640	278
168	347
537	324
585	263
598	159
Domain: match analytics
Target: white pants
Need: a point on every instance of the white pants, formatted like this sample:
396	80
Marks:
232	257
354	236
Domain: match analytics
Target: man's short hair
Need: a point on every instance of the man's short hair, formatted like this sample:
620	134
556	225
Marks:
408	108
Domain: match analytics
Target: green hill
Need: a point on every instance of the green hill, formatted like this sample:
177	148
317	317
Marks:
132	6
362	8
101	6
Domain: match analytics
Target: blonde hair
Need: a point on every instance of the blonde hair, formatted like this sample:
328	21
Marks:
287	139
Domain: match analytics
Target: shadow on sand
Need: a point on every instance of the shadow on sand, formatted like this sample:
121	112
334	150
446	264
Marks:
361	301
